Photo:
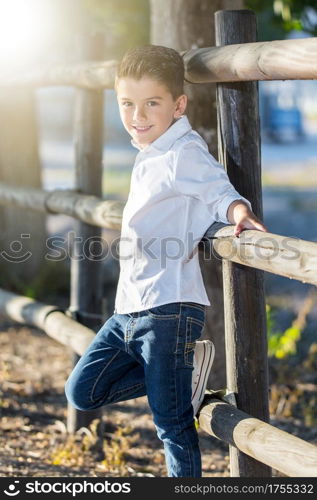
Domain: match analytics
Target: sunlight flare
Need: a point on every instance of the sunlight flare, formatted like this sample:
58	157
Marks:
23	26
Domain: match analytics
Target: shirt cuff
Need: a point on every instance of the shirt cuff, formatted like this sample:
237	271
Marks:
223	207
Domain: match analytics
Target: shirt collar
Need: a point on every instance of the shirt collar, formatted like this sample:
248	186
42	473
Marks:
166	140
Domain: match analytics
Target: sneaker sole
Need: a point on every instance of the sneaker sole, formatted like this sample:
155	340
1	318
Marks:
206	366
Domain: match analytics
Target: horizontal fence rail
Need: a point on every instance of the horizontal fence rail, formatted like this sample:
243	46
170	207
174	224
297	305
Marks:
281	255
54	322
288	454
276	60
93	75
87	208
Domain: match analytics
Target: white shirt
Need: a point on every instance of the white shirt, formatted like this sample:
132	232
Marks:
177	191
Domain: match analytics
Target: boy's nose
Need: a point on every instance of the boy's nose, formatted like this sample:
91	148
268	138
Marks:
139	114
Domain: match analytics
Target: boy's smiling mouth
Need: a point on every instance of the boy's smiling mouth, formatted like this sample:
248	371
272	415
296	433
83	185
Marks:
141	129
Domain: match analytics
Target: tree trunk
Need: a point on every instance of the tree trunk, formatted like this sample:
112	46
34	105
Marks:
184	25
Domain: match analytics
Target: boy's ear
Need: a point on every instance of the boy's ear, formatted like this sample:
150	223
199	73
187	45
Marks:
181	103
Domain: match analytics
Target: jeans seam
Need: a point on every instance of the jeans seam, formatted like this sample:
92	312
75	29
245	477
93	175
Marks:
195	306
187	340
188	444
100	374
163	316
199	322
136	386
175	378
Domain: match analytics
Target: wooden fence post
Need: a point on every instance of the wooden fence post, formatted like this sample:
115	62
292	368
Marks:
244	301
86	271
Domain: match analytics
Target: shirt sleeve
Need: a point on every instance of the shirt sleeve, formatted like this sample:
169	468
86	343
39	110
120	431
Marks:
198	174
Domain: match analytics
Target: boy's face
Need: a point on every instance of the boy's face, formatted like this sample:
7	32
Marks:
147	108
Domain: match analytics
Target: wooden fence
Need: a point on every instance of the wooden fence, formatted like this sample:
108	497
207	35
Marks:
235	64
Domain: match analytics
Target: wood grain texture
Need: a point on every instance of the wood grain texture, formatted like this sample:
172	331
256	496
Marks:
293	258
276	60
87	208
261	441
49	318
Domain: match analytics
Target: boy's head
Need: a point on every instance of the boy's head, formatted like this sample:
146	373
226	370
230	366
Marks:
159	63
150	91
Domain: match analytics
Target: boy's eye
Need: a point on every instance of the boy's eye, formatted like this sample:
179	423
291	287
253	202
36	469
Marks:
152	103
126	104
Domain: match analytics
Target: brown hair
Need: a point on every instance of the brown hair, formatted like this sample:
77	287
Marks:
163	64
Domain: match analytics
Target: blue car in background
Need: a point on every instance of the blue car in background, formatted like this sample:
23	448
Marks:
281	116
285	124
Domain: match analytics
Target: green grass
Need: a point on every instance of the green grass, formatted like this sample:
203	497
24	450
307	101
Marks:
301	178
116	182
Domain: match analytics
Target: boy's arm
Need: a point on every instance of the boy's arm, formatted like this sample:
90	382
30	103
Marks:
240	214
209	182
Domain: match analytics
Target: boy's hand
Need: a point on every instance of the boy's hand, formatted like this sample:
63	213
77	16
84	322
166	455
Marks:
243	218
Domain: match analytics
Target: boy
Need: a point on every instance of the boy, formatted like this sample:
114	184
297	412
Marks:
148	347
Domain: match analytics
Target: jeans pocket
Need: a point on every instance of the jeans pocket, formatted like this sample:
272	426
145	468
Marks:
194	329
165	311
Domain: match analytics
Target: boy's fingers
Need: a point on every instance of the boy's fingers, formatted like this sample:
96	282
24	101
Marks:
262	227
253	225
256	223
237	229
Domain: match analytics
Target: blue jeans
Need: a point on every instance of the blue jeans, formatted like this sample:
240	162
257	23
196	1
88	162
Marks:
147	353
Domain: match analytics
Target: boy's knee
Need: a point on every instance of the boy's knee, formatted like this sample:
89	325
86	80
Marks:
75	397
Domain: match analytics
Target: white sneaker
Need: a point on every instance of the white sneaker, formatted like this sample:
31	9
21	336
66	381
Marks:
203	358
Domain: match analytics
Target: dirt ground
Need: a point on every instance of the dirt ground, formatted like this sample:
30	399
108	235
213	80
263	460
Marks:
33	410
